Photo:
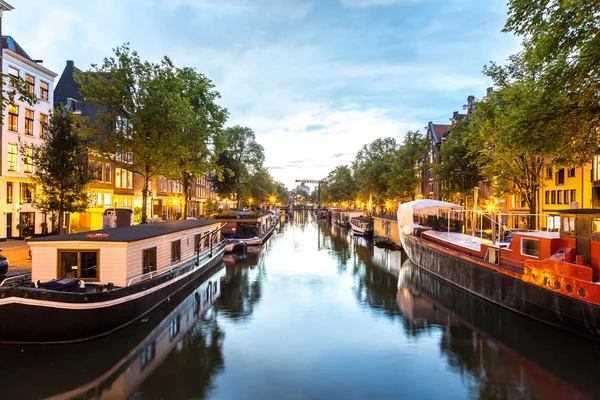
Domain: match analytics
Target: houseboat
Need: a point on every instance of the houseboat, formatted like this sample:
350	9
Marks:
253	231
89	284
385	232
361	226
118	364
548	276
342	218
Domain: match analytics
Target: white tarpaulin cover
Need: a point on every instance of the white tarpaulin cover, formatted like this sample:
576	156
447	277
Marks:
406	212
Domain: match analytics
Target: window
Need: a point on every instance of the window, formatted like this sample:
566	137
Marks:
596	225
29	122
13	118
13	151
199	243
547	196
559	196
560	177
43	125
571	173
9	192
107	173
78	264
30	80
28	160
118	177
553	197
149	260
25	193
124	178
147	354
13	73
548	172
44	90
97	170
174	327
573	197
553	223
566	197
176	251
568	224
107	200
530	247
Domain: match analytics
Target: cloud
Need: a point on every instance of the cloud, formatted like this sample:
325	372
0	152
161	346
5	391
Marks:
276	167
338	155
315	127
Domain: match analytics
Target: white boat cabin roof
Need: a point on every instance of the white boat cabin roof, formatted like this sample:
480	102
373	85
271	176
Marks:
130	233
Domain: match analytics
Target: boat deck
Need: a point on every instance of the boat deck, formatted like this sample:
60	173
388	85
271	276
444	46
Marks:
460	239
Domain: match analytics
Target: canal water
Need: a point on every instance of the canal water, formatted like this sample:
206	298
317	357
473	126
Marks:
315	314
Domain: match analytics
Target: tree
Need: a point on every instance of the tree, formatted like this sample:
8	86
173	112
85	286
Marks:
340	184
458	173
200	140
61	172
371	165
243	158
144	116
402	174
281	192
562	43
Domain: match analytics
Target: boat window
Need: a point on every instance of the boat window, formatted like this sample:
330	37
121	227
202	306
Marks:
176	251
596	225
149	259
568	224
530	247
78	264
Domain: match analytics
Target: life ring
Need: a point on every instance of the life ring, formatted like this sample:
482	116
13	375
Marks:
98	235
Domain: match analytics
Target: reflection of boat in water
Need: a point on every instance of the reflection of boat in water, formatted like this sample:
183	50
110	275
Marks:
548	363
121	361
248	259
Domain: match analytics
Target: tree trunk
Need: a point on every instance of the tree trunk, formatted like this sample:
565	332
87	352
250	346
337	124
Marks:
61	229
145	200
532	211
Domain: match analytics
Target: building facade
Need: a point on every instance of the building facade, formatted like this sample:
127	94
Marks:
22	128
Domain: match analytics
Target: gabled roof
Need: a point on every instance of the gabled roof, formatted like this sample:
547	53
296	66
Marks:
66	87
5	6
11	44
438	131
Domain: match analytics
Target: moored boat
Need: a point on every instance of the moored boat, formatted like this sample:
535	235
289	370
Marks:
361	226
89	284
253	231
548	276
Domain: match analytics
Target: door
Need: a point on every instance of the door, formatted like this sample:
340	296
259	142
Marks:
9	225
582	236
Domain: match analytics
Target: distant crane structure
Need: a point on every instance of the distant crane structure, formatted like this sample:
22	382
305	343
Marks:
316	182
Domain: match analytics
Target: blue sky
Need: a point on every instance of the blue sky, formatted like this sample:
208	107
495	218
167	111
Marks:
315	79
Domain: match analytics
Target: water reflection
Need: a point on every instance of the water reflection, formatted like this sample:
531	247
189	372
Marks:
121	365
498	353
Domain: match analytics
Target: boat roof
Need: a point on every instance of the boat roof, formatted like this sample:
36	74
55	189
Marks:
130	233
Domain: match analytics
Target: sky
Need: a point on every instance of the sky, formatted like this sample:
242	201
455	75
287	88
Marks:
315	79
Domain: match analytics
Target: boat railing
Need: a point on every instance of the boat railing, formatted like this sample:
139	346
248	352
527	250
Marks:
200	258
24	276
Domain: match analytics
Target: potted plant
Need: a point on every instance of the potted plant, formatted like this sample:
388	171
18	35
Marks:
20	227
44	226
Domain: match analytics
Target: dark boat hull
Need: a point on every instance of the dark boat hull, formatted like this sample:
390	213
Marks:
37	316
510	292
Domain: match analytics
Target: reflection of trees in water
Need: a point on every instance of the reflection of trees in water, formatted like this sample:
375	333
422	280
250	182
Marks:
499	353
188	370
338	243
241	290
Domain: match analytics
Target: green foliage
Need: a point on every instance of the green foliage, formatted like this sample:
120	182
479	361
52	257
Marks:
61	173
402	176
562	46
145	113
458	173
371	165
340	185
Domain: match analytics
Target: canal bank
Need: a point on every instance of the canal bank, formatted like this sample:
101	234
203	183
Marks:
318	314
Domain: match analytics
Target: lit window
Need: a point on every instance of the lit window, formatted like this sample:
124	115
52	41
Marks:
28	160
26	193
43	125
44	90
596	225
30	80
29	122
118	172
568	224
13	117
9	192
107	173
12	156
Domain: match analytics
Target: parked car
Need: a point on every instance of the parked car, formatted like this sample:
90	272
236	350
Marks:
3	265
